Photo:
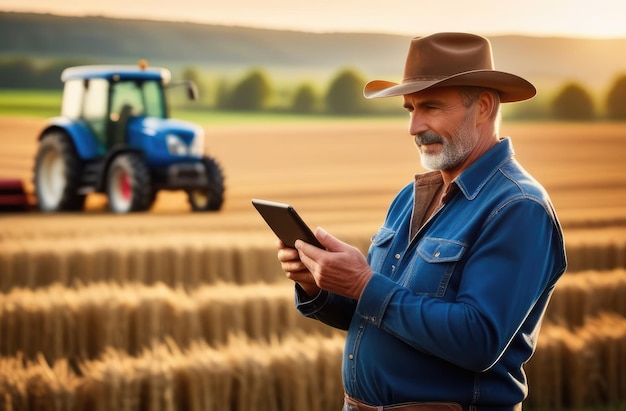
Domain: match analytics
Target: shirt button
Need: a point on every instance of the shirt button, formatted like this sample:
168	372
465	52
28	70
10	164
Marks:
397	256
351	356
437	253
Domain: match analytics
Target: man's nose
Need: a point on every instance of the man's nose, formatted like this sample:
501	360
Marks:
416	124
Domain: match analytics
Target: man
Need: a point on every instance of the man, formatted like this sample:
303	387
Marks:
447	307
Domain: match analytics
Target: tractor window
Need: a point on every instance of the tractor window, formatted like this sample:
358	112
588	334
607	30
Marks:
95	107
145	98
153	93
72	99
126	93
94	110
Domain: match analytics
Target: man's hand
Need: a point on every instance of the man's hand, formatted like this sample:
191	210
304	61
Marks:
341	268
295	270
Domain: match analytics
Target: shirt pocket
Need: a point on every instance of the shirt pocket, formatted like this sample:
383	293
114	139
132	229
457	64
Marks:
381	244
432	266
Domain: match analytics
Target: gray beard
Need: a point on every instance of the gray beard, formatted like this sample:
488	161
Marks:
453	151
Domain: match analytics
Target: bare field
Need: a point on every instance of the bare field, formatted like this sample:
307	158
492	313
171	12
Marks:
339	174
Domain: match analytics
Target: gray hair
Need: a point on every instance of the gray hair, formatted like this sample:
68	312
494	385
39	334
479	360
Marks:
470	94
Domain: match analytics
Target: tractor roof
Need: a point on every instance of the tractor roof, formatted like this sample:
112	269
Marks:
111	72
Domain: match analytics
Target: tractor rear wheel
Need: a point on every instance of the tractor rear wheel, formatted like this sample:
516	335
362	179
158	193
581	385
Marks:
211	197
128	184
57	174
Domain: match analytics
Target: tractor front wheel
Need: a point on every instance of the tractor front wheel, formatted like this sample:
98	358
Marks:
128	184
57	174
210	198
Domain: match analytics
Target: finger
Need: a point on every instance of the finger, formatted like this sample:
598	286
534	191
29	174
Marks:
280	245
309	250
311	256
288	254
293	266
308	260
330	242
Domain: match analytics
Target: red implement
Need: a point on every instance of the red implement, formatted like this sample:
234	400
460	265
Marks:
12	195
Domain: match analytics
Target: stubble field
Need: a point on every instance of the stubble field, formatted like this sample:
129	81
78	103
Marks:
175	310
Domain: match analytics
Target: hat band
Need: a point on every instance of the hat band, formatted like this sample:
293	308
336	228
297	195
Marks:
423	78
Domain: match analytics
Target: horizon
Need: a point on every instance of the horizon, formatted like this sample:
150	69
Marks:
559	18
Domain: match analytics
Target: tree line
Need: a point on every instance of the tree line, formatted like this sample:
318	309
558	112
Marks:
343	94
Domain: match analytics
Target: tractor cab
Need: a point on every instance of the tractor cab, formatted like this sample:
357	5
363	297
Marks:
106	99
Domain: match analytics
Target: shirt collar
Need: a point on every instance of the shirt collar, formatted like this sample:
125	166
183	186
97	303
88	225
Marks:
474	178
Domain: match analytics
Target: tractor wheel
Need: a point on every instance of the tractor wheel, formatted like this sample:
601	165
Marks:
57	174
211	197
128	184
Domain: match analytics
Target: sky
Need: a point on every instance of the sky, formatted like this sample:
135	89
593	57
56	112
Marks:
571	18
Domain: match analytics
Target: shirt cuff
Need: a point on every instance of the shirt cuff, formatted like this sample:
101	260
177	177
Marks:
308	306
375	299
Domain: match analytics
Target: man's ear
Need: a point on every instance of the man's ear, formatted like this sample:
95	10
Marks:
486	105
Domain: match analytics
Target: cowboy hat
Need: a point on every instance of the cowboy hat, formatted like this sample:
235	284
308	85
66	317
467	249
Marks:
452	59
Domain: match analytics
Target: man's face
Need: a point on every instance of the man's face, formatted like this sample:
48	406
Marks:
442	126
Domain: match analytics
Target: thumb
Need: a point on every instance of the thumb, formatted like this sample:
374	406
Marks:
330	242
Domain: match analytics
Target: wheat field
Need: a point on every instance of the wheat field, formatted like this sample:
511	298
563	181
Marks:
172	310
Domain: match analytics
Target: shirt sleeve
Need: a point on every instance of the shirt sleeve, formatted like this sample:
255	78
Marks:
512	264
329	308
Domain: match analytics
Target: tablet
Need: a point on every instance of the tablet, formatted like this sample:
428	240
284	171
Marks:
285	222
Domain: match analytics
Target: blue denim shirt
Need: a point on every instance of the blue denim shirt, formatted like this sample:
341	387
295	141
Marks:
453	313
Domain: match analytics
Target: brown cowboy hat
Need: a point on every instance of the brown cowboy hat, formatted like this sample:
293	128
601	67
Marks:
451	59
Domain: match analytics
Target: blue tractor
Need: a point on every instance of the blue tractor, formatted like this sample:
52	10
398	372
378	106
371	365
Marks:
114	136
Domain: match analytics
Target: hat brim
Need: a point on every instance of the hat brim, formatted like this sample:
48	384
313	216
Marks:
511	87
